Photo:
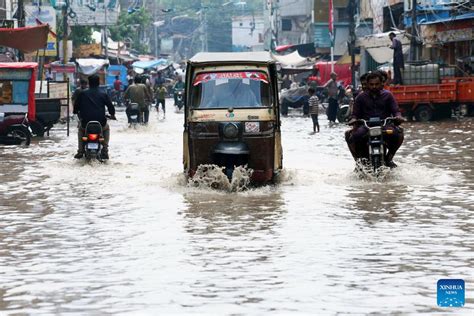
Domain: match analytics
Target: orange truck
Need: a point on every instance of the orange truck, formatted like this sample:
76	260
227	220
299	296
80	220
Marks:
429	101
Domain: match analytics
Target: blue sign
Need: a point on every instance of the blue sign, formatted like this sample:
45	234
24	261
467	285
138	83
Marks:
451	293
117	70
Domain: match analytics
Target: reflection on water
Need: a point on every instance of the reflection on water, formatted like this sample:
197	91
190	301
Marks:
130	237
233	242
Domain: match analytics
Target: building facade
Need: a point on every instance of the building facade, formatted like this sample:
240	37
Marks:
247	33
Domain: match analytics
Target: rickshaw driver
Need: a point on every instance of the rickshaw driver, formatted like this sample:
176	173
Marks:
234	93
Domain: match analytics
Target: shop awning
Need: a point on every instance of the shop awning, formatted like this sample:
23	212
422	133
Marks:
26	39
149	64
466	16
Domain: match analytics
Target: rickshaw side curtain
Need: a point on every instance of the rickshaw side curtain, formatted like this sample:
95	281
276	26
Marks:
26	39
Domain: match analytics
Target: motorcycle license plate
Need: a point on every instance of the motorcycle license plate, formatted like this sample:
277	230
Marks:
133	117
93	146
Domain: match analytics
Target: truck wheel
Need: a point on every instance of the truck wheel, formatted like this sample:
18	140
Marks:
470	110
423	113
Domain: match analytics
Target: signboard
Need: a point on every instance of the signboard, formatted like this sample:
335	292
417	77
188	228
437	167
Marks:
94	12
58	90
87	50
15	74
43	15
68	68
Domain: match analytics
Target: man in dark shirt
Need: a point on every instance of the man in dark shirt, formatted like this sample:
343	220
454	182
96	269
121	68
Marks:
398	62
82	86
374	102
90	106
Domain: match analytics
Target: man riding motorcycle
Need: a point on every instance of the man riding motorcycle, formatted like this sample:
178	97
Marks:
90	106
374	102
179	85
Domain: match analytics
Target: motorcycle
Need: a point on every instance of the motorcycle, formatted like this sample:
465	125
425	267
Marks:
133	113
377	128
92	140
14	130
179	99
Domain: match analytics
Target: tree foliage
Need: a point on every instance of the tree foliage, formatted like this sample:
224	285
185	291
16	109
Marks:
130	27
78	34
81	35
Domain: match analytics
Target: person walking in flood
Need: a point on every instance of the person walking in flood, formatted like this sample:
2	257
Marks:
138	93
160	99
398	62
332	90
314	109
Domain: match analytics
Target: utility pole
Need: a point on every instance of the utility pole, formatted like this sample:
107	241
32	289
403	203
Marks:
204	45
413	42
21	23
106	39
352	37
65	31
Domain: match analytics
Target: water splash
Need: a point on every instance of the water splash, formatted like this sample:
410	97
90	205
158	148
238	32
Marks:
213	177
365	171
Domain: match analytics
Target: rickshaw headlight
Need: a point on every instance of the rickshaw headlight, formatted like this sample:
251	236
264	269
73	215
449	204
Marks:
231	130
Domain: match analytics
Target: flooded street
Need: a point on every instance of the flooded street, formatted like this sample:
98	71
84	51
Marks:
130	238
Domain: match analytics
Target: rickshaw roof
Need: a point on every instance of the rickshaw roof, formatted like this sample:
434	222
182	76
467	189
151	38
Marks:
225	57
19	65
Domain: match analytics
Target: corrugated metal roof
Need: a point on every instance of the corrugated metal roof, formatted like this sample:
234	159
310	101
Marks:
465	16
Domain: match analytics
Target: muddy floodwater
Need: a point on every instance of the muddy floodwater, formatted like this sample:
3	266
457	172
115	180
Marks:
130	238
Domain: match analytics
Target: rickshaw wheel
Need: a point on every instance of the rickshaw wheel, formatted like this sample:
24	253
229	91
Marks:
20	135
37	128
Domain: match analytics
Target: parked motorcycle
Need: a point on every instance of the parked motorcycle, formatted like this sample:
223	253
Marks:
14	130
92	140
179	99
377	128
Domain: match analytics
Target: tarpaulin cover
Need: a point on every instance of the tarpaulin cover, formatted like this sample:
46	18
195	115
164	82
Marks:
252	75
293	63
89	66
149	64
31	88
26	39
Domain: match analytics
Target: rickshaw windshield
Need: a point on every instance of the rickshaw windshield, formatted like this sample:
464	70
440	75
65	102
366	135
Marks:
231	89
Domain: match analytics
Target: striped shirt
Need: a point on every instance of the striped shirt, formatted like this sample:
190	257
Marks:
313	105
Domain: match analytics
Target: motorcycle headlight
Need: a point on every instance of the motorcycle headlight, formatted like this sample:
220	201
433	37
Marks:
375	131
231	130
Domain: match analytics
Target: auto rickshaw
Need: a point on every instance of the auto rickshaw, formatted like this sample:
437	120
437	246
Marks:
231	115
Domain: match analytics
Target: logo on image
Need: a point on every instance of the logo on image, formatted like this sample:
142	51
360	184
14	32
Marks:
451	293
